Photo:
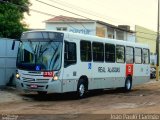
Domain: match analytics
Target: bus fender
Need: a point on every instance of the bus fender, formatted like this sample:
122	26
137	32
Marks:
84	79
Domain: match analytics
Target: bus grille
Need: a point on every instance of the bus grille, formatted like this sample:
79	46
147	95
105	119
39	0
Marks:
32	80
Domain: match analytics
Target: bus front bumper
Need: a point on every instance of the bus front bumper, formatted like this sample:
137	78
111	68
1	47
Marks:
50	87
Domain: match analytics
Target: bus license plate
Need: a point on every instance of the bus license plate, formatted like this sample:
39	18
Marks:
33	86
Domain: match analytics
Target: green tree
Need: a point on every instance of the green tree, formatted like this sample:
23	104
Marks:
11	17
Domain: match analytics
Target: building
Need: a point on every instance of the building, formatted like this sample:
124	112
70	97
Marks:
147	36
90	27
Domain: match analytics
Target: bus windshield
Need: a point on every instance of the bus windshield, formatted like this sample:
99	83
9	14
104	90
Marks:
39	55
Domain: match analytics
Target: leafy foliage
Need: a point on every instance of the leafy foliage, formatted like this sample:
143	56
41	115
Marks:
11	16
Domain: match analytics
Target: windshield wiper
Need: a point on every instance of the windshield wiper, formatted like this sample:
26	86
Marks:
41	52
55	52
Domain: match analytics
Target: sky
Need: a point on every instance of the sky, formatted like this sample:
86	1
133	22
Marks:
116	12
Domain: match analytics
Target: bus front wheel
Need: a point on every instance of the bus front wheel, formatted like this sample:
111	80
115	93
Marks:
128	84
81	89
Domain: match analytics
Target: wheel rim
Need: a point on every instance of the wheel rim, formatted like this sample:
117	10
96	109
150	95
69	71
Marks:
81	90
128	84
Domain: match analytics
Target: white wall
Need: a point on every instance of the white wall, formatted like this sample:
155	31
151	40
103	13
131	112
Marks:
87	28
7	60
84	28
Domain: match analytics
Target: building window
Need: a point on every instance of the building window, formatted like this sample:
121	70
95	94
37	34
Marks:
109	53
111	36
61	28
100	31
120	35
120	54
98	51
110	33
129	55
86	54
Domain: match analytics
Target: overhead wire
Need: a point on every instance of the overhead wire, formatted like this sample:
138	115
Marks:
37	11
47	13
50	15
78	14
55	15
86	11
103	5
77	8
89	12
65	18
63	9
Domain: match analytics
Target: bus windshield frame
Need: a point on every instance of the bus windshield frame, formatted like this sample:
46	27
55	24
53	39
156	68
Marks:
40	51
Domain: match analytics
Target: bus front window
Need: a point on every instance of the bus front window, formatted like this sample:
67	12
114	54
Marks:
46	55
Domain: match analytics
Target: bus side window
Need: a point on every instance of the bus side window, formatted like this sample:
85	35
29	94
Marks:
109	52
138	55
98	52
120	52
129	55
85	51
146	58
70	56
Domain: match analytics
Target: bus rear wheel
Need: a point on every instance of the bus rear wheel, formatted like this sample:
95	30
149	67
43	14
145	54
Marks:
81	89
128	84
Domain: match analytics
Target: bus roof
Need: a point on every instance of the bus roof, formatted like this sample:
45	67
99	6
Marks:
94	38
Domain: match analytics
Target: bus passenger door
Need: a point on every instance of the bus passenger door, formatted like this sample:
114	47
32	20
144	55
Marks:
70	70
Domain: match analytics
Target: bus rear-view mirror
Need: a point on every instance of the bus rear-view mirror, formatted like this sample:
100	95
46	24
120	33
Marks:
13	44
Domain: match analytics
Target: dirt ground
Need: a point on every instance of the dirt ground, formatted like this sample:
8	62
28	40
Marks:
143	99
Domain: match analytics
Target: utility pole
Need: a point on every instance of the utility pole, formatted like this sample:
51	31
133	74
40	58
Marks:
157	47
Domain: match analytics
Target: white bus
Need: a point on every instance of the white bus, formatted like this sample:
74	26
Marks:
58	62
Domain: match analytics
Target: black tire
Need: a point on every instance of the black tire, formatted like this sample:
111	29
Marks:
128	84
81	89
41	93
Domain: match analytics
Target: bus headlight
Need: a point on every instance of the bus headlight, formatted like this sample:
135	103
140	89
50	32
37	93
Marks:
56	76
17	76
